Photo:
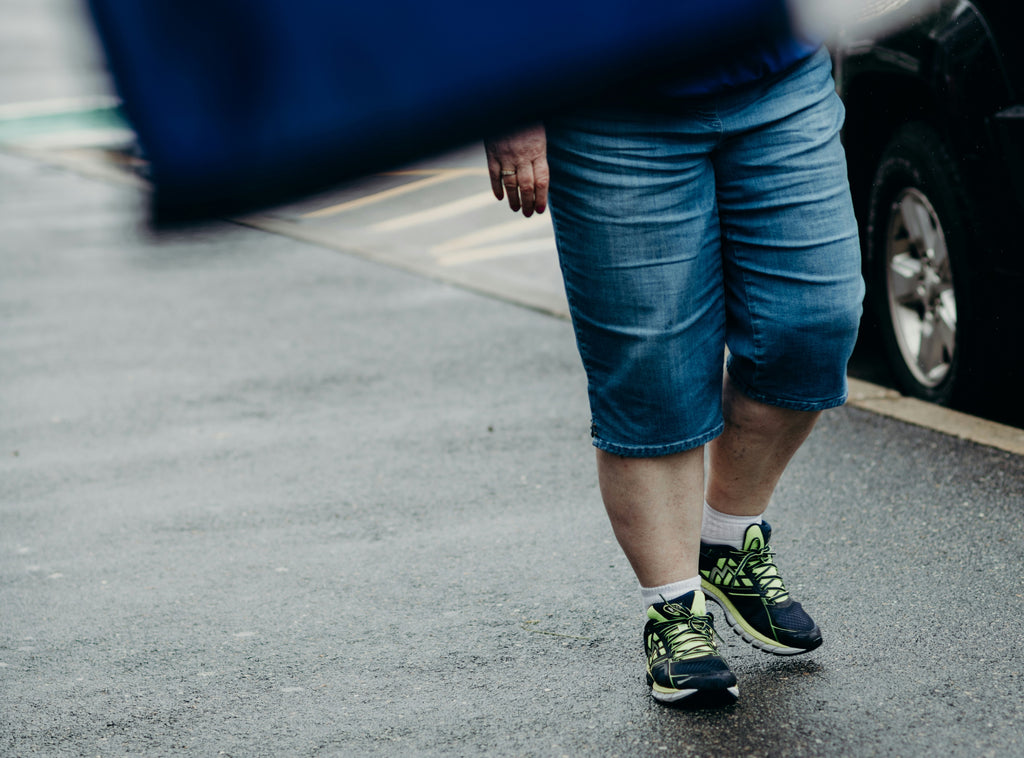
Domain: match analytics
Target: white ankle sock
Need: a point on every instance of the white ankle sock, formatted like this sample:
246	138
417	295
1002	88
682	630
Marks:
652	595
723	529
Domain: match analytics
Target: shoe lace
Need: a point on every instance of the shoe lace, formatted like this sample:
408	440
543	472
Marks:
761	563
689	635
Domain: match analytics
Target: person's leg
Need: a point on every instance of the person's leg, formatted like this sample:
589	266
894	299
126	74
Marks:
792	277
638	243
654	505
633	206
748	459
793	291
792	262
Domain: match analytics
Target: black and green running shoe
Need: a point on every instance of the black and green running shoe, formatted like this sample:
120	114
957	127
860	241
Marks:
747	585
683	664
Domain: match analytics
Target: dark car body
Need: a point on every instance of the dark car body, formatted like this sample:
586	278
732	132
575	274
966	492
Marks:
935	120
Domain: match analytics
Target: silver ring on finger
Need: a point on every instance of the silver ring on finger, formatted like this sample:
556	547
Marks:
508	172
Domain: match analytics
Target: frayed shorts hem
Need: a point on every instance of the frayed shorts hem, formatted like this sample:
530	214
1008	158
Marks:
657	451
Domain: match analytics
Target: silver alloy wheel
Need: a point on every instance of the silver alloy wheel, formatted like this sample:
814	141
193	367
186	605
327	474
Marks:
922	301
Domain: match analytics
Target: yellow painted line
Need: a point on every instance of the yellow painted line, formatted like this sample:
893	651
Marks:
432	178
438	213
863	395
411	172
476	170
486	236
491	252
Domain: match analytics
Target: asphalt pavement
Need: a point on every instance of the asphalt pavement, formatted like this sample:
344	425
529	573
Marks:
260	496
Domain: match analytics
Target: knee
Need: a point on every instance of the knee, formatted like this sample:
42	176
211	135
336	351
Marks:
799	360
820	339
824	327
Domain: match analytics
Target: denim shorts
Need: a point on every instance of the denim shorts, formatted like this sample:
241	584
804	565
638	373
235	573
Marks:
691	228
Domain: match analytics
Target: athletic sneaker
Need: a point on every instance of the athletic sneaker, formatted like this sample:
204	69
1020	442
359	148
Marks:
683	663
747	586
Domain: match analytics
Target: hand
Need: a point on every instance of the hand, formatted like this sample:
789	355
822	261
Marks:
525	153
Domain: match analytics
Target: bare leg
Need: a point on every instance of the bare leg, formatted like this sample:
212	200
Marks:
654	504
655	507
747	460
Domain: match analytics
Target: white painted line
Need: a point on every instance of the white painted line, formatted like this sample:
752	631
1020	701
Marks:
57	107
491	252
438	213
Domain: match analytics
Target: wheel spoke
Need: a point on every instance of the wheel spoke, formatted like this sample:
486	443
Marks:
940	257
908	325
927	235
932	352
904	275
945	318
915	219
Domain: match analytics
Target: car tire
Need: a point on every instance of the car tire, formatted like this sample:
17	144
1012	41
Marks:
918	238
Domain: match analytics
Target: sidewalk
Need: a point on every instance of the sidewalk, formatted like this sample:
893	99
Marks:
261	498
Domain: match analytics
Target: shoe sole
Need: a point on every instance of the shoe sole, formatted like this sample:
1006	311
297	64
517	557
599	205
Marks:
747	633
696	698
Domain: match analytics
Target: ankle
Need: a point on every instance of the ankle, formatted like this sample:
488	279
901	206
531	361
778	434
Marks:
719	528
665	592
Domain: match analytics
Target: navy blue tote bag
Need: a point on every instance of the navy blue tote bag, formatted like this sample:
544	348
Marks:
239	104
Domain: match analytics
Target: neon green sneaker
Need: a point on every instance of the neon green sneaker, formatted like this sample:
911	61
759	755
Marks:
683	663
747	586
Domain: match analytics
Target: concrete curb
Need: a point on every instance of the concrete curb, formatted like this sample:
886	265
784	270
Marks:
890	403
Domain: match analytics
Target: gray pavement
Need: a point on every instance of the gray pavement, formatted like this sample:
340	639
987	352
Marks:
258	497
47	52
261	497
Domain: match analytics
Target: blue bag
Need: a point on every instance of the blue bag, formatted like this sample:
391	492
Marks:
239	104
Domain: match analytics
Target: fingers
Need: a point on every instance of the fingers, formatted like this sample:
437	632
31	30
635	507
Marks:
514	188
494	170
527	189
541	182
517	166
532	181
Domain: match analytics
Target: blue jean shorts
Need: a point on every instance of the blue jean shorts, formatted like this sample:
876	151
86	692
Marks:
691	228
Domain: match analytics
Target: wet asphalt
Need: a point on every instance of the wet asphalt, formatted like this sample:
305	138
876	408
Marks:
261	498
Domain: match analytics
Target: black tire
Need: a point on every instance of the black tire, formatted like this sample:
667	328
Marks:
922	300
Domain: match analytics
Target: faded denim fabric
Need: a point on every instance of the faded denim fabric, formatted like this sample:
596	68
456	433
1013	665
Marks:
699	225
